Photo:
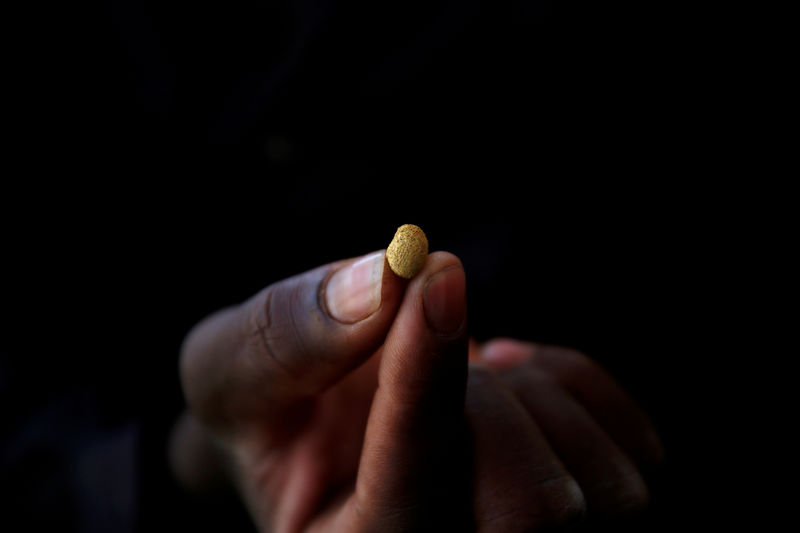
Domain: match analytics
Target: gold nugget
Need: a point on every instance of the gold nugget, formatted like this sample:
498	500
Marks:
407	251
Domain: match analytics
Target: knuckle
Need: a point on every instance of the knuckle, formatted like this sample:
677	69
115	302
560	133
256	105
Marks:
261	334
564	505
553	505
275	332
632	496
286	327
623	496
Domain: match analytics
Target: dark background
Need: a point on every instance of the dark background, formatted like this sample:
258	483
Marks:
172	158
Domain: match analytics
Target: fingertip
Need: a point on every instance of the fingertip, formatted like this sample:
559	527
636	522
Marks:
501	353
445	302
439	260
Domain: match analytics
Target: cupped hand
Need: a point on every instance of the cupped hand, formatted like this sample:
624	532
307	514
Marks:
346	399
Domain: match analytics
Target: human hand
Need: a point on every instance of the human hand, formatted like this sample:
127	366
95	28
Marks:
545	415
337	398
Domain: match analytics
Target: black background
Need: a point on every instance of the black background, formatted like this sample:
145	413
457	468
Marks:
174	158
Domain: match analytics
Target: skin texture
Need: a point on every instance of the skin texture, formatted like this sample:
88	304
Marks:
397	422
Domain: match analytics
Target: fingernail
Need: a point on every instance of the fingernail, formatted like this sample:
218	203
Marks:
445	300
354	292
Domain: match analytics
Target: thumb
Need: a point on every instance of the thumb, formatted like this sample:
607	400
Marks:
417	412
288	342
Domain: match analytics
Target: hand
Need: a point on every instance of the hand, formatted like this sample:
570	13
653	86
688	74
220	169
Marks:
342	400
544	417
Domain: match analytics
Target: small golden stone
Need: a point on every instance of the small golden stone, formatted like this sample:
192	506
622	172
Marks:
407	251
